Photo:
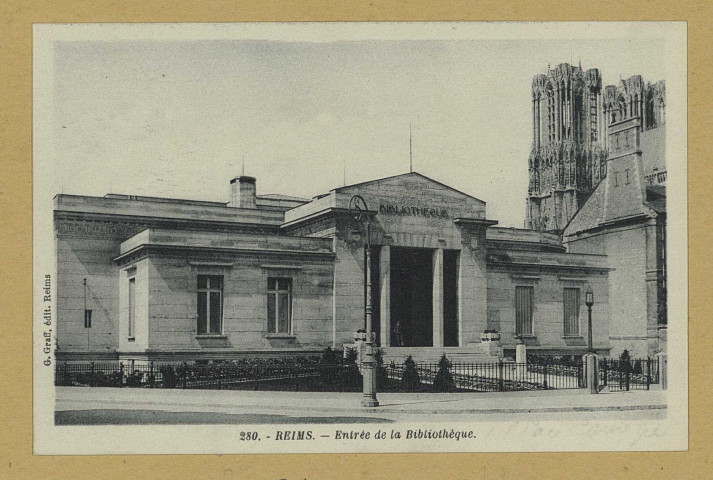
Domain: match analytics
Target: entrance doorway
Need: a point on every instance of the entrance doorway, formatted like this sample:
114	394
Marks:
450	298
411	297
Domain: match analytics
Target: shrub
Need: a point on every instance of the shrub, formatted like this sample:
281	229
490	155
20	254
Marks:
134	379
444	380
382	375
330	357
351	356
170	379
410	379
637	367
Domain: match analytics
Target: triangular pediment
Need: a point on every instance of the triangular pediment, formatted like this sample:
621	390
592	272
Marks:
409	194
411	190
405	180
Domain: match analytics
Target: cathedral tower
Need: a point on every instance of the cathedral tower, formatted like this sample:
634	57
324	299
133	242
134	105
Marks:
573	123
568	156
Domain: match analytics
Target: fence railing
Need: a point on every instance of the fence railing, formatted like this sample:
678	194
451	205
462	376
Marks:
344	377
625	375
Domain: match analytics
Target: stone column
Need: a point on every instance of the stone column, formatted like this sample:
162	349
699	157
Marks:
438	297
385	302
534	123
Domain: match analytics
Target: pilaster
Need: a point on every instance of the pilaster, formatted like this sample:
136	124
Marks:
385	297
438	297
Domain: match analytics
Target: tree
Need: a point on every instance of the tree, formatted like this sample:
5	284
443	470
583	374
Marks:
410	379
444	380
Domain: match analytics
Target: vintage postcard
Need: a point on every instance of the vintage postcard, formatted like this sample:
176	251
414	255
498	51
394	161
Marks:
360	237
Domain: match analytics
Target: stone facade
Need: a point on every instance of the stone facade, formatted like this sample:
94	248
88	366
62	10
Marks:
538	264
624	217
435	254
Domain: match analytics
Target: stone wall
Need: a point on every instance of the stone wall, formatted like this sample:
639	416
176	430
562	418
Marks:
173	310
548	323
626	249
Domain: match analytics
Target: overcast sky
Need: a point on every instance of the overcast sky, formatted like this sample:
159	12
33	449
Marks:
176	118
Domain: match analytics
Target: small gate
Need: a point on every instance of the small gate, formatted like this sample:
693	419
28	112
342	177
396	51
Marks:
630	374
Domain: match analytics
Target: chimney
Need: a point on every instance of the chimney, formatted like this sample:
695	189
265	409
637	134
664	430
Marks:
242	192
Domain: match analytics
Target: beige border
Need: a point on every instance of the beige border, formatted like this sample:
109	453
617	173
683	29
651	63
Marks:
15	73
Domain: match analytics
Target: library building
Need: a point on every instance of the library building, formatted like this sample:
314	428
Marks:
144	278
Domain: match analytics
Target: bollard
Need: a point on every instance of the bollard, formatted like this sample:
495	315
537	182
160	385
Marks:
590	372
663	370
521	354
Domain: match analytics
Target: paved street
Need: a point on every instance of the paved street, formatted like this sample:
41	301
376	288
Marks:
91	406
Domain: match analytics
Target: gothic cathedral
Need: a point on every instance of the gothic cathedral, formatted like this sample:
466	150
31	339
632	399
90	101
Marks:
571	116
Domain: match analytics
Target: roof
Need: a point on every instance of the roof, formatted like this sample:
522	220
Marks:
590	214
278	196
415	174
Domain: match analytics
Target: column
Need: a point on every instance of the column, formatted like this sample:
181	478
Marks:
558	113
385	302
534	121
538	119
438	298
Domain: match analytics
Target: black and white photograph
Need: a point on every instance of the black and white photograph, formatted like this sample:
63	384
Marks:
360	237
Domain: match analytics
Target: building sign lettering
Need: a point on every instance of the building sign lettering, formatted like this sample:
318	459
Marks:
410	210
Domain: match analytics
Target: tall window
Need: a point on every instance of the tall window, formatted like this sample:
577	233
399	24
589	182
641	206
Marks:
524	300
132	307
210	304
550	114
279	305
593	116
661	280
571	312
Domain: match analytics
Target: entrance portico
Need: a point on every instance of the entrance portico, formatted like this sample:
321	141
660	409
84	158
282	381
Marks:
429	281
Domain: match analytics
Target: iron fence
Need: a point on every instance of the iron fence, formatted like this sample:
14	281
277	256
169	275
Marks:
326	377
212	376
625	375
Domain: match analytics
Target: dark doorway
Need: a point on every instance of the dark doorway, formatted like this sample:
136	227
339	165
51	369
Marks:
411	297
450	298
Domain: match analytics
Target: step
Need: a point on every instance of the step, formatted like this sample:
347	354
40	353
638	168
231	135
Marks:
433	354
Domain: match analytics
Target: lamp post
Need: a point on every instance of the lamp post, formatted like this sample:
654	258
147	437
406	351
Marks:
589	300
592	375
360	213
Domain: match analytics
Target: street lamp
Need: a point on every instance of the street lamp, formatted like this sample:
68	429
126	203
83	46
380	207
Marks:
360	212
589	300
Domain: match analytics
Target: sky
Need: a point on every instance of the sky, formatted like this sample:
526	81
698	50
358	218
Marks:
179	118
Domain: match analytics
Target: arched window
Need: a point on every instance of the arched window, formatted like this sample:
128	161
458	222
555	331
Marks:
650	115
622	108
550	114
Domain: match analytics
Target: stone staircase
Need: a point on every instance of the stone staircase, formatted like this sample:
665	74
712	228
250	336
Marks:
469	354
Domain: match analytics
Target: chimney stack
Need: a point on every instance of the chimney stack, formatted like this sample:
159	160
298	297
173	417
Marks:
242	192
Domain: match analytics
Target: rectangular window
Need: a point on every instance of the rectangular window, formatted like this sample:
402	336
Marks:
210	304
132	306
279	305
571	312
524	303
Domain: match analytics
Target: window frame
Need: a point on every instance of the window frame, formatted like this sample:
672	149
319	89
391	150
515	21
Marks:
131	293
279	293
531	320
207	291
576	310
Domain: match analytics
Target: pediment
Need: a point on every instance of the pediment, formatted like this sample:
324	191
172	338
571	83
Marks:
412	193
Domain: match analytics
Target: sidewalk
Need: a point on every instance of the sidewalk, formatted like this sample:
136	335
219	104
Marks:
341	404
